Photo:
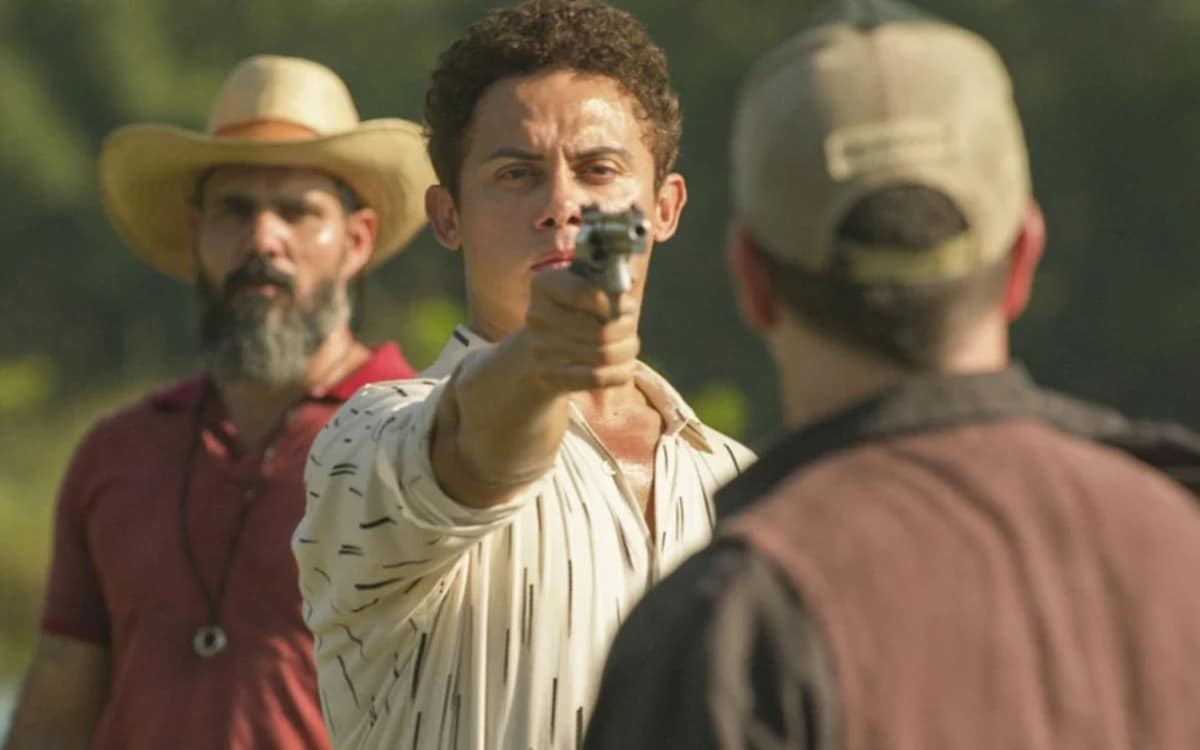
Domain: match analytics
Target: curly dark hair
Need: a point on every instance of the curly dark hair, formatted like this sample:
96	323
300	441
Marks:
544	35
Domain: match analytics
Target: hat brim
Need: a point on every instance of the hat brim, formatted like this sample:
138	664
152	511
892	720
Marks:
148	177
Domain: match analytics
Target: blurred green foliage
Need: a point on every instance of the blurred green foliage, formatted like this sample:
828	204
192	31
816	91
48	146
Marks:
722	406
1107	89
26	383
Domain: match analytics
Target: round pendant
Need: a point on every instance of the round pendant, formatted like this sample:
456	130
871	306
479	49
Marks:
209	641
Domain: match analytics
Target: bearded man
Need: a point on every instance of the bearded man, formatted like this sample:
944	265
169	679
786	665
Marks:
172	617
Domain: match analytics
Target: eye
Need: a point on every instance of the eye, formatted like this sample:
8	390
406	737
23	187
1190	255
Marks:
514	173
599	171
294	212
233	208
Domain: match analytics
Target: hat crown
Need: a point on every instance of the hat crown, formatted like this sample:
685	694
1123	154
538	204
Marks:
867	100
272	88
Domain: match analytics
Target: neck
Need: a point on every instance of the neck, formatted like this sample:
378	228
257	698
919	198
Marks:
255	408
607	403
489	331
820	377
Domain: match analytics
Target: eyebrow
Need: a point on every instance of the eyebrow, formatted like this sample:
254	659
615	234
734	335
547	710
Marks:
511	152
232	198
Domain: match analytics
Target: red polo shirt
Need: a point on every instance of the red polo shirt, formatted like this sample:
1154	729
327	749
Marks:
120	577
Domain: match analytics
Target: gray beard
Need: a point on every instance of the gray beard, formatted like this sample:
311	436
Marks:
244	340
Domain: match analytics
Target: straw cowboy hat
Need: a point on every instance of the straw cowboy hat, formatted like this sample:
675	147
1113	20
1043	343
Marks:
270	111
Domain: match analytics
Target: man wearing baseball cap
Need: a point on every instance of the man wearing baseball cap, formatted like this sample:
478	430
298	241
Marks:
940	554
172	618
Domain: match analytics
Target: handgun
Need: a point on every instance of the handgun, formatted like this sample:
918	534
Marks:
604	245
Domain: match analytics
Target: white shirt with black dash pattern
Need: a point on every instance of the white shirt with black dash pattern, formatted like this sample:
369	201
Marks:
441	626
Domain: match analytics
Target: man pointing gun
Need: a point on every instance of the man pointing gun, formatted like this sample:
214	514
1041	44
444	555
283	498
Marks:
473	539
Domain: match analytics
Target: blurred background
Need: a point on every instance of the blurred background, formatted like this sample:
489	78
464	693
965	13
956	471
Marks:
1109	91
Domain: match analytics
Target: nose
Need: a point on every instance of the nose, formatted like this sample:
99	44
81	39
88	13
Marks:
564	201
266	235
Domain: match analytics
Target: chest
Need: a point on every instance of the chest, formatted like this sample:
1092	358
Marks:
162	529
575	560
631	441
633	453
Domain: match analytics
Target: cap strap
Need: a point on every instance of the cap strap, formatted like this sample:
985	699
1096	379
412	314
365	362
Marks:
873	263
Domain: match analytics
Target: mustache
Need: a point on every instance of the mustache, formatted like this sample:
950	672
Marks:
256	272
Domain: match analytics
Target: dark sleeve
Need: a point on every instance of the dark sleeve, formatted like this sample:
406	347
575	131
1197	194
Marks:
721	655
74	603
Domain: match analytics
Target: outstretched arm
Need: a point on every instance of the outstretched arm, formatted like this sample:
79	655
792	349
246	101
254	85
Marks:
503	414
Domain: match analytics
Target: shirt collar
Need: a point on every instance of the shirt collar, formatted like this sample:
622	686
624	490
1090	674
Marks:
385	363
678	416
941	401
181	395
462	340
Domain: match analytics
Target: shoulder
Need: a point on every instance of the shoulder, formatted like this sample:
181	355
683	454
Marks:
376	410
123	421
123	437
386	393
1138	458
739	454
1168	447
718	458
383	398
1157	488
679	414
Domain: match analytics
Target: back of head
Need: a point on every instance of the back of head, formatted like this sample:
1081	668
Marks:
537	36
879	162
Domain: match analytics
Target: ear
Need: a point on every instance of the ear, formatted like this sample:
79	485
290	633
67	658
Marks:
668	205
751	280
443	217
362	226
1026	253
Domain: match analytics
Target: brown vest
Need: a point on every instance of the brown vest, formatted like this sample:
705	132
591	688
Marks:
994	584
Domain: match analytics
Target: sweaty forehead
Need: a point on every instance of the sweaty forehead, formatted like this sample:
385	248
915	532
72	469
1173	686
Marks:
549	111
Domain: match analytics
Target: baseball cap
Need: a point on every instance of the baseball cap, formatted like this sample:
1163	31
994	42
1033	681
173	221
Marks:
879	94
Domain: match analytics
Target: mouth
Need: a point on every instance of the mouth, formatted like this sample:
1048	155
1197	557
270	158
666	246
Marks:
553	260
263	289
